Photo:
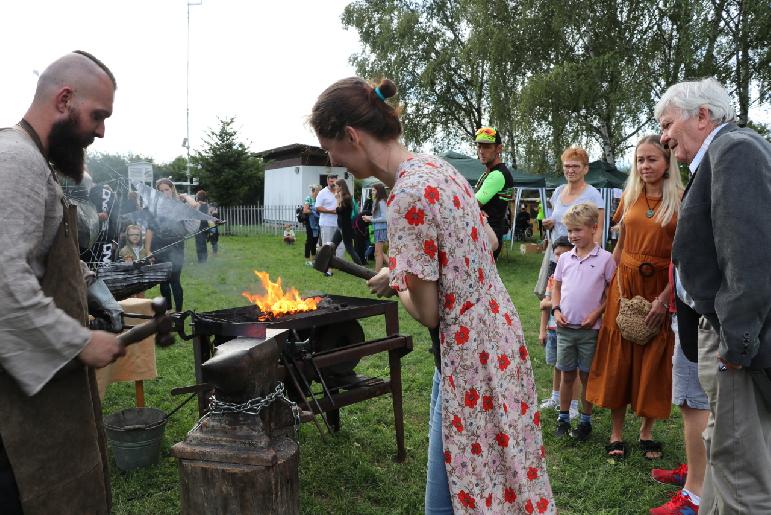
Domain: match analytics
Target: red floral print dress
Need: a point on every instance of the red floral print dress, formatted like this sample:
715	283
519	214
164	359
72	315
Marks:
491	427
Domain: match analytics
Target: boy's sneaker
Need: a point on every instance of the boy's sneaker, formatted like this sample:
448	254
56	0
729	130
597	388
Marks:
679	504
582	431
549	404
563	428
573	413
671	477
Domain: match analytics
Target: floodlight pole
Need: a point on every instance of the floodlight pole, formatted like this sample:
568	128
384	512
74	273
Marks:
187	93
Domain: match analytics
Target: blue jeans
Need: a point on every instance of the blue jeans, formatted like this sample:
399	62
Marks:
437	488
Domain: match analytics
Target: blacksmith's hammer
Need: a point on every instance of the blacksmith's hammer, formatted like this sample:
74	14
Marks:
326	259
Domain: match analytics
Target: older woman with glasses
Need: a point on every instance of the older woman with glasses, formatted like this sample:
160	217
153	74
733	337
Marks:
575	166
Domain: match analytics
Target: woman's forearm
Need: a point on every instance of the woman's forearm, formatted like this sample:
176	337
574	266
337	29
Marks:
421	300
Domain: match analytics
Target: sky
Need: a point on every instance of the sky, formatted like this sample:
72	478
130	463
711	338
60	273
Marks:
262	62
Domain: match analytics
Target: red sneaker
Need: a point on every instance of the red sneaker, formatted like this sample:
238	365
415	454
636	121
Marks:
679	504
671	477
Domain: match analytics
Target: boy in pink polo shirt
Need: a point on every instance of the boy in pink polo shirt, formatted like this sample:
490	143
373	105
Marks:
578	300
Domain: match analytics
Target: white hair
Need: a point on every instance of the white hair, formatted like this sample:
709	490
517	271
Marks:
689	96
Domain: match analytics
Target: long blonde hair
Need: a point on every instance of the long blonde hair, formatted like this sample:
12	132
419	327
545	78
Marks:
672	189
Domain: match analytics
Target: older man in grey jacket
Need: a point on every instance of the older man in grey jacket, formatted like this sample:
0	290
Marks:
722	253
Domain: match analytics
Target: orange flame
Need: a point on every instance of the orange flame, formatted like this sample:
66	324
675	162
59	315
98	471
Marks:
275	302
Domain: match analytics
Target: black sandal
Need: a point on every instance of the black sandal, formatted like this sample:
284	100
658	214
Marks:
617	446
649	446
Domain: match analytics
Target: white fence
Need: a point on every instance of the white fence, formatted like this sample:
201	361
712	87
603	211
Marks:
257	219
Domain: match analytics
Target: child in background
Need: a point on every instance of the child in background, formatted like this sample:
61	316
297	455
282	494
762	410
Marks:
289	238
134	250
578	298
548	337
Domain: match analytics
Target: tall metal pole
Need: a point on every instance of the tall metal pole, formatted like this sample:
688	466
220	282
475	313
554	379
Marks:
187	93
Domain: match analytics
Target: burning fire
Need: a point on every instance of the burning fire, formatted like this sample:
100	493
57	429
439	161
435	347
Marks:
275	302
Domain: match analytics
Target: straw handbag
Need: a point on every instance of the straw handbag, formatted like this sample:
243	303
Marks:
631	318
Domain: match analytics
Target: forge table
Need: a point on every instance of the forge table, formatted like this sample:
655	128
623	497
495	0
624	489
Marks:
212	328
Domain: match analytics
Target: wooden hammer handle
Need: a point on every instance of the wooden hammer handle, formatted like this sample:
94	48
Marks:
352	268
138	333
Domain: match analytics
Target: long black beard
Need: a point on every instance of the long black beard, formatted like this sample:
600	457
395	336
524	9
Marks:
67	148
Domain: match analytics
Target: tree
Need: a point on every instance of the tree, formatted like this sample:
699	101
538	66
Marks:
549	73
228	170
176	169
423	47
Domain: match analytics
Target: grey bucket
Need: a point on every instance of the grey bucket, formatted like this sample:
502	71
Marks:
135	436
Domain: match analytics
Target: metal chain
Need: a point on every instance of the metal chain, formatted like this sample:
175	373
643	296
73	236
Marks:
251	407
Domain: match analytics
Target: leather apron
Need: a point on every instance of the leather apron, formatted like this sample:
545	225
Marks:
54	440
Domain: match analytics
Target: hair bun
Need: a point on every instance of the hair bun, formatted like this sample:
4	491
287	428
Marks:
387	88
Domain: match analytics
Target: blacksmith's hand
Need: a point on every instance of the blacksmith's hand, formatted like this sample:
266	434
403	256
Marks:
656	315
379	285
101	350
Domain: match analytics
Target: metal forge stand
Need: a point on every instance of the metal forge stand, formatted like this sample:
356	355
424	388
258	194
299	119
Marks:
212	328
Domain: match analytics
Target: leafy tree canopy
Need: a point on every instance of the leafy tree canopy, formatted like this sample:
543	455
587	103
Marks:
228	170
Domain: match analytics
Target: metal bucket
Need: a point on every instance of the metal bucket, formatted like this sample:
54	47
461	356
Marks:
135	436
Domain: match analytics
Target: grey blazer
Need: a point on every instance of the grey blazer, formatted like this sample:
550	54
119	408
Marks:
722	246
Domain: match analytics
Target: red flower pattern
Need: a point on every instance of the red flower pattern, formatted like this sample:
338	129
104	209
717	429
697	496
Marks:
466	500
522	352
474	234
537	418
523	407
532	473
542	505
429	247
390	199
462	335
391	263
466	306
431	194
447	457
484	334
529	506
472	397
415	216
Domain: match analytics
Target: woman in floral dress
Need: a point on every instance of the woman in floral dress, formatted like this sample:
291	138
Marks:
485	425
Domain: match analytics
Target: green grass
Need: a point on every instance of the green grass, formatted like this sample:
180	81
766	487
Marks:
353	472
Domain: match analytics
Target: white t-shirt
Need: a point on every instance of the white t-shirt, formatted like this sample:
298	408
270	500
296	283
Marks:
327	200
590	195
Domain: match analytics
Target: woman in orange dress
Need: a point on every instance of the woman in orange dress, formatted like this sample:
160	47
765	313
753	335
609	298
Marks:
625	373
